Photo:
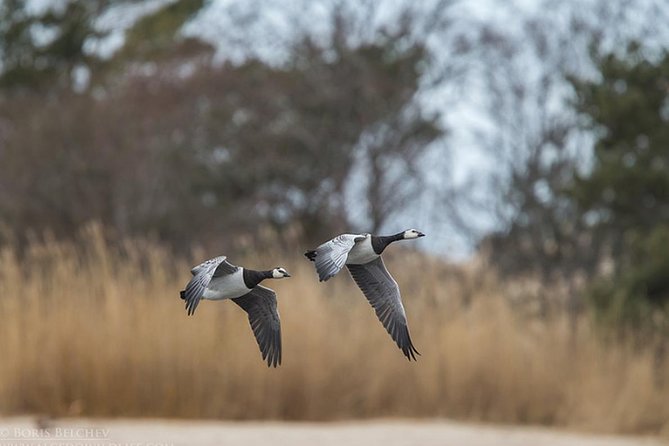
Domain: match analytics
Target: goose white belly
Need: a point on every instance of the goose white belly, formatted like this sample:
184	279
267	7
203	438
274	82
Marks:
226	287
362	252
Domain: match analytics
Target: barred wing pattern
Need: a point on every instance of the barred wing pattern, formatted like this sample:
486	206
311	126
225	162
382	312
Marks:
207	264
202	275
383	294
260	304
331	256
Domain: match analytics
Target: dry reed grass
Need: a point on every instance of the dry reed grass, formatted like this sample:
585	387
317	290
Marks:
98	329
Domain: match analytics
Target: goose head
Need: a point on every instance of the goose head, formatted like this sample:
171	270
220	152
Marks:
279	273
412	233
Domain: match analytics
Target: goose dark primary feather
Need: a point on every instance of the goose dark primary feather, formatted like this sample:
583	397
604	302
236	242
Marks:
361	253
217	279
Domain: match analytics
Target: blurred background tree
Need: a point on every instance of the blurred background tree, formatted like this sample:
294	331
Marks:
44	51
160	138
538	152
625	195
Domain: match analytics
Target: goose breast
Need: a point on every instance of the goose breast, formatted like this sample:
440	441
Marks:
226	287
362	252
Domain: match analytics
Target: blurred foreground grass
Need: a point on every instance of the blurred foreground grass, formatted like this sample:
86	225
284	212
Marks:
98	329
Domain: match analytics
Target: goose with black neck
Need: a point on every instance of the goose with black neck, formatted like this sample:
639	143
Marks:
361	253
217	279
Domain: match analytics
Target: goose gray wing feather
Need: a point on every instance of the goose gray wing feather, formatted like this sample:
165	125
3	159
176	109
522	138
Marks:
331	256
207	264
202	275
260	304
383	294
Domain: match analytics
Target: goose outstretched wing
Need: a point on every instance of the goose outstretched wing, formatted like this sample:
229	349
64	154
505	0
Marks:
383	294
202	275
207	264
331	256
260	304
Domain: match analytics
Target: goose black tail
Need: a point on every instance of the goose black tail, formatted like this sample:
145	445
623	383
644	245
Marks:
311	255
182	294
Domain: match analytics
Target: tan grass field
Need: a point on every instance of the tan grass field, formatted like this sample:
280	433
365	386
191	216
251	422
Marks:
97	329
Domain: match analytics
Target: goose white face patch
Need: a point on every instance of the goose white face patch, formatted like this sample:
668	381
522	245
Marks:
412	233
280	273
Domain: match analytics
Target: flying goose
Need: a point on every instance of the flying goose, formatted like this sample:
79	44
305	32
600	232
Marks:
361	253
216	279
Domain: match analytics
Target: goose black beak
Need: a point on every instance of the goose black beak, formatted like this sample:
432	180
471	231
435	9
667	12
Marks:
287	275
420	234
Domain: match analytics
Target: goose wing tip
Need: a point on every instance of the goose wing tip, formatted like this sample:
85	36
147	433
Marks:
311	255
